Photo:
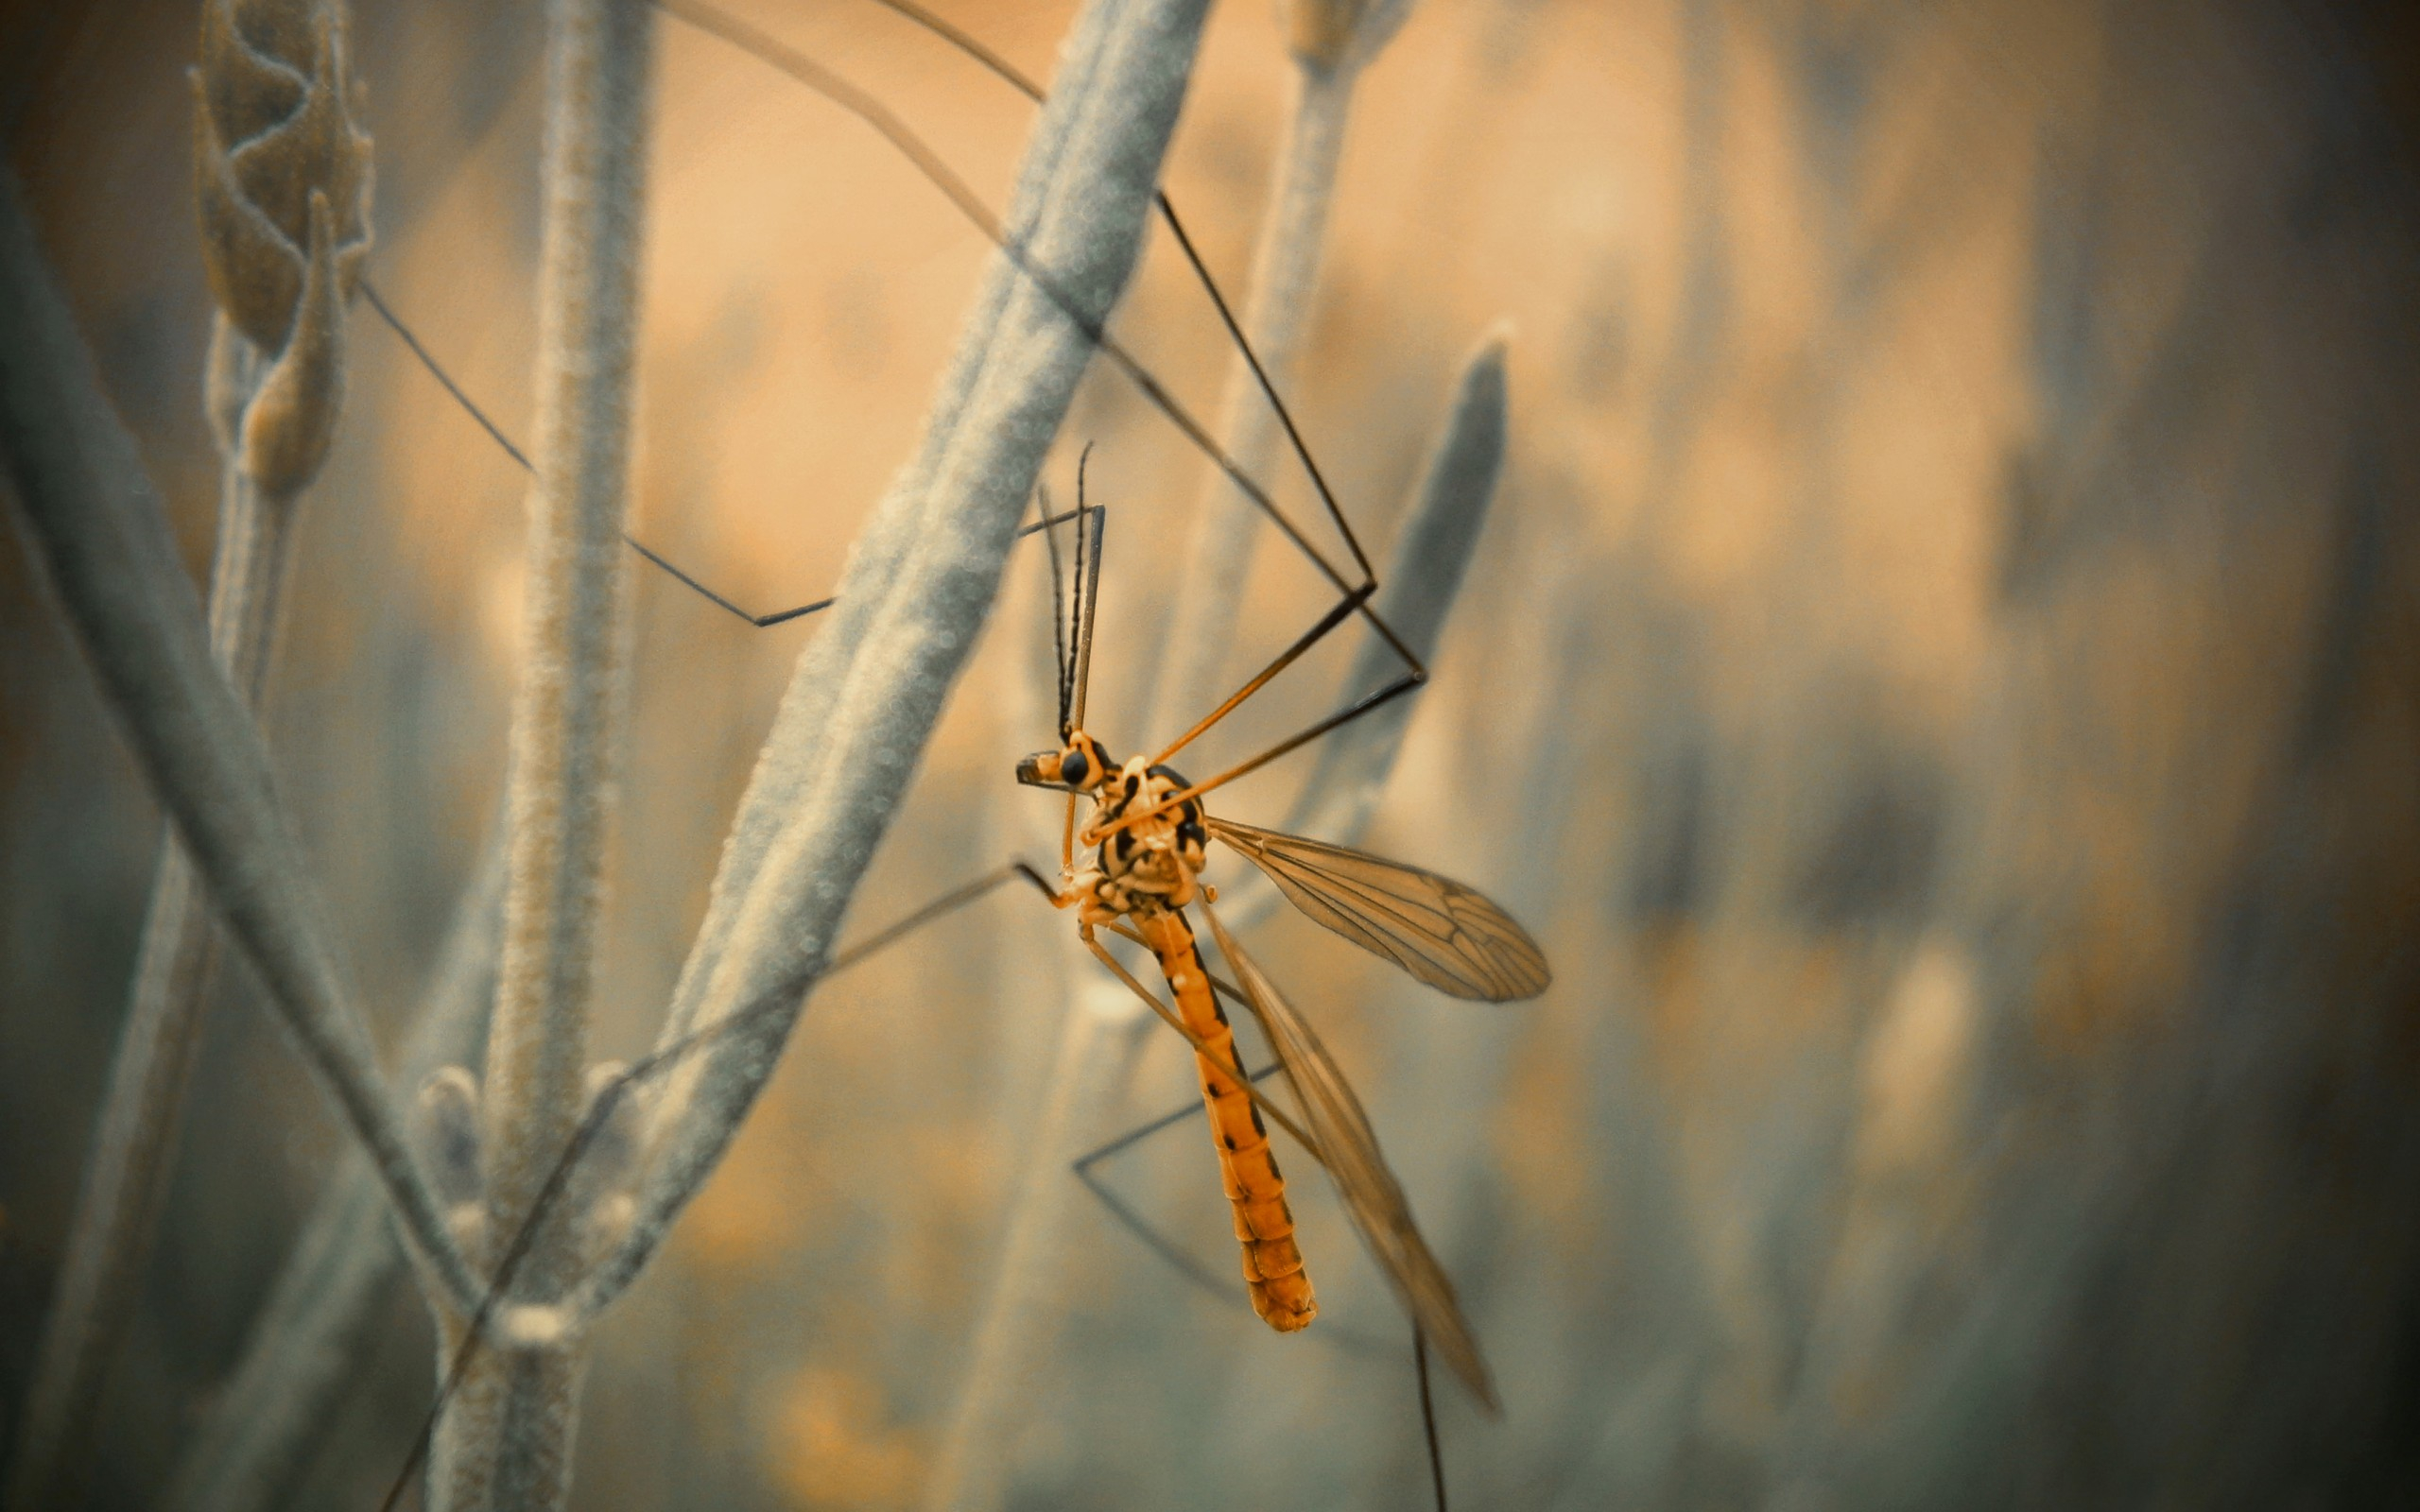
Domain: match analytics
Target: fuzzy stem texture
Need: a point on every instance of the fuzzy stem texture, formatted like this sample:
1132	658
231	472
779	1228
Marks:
919	585
1423	577
506	1441
98	528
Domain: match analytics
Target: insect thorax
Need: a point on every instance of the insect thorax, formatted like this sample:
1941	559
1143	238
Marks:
1152	863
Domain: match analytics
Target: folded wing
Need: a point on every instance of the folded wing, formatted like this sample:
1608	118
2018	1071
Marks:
1349	1150
1432	926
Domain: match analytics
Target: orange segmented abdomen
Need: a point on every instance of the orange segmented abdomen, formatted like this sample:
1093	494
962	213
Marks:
1281	1290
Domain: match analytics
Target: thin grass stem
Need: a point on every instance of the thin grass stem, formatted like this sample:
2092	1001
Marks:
289	1384
1278	317
134	1147
98	528
507	1440
918	586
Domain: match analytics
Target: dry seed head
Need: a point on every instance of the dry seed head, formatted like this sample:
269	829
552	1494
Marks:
284	179
291	420
273	126
1333	34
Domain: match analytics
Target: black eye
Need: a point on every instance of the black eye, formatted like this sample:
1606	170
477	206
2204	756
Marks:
1073	768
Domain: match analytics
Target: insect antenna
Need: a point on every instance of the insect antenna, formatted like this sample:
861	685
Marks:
1087	587
1428	1415
1058	619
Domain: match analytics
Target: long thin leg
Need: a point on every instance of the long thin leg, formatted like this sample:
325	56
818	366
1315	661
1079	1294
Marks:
1429	1416
774	54
1301	737
759	621
973	48
437	370
495	433
1287	658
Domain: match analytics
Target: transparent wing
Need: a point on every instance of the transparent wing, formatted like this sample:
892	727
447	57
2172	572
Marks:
1432	926
1372	1197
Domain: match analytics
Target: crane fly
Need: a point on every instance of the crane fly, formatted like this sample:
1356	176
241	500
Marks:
1134	866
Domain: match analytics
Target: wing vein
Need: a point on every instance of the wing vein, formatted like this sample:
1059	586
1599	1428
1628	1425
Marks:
1435	928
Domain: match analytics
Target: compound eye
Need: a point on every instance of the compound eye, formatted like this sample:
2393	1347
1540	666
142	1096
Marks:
1074	768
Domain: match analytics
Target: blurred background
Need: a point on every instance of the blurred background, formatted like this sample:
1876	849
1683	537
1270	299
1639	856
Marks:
1942	678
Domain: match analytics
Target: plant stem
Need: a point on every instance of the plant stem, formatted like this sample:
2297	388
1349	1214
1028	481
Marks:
507	1441
1021	1315
98	528
134	1146
1284	286
265	1422
1432	550
917	587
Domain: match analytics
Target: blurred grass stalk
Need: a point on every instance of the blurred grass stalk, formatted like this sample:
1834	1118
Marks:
283	175
506	1437
135	1144
864	700
99	531
1333	41
291	1381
